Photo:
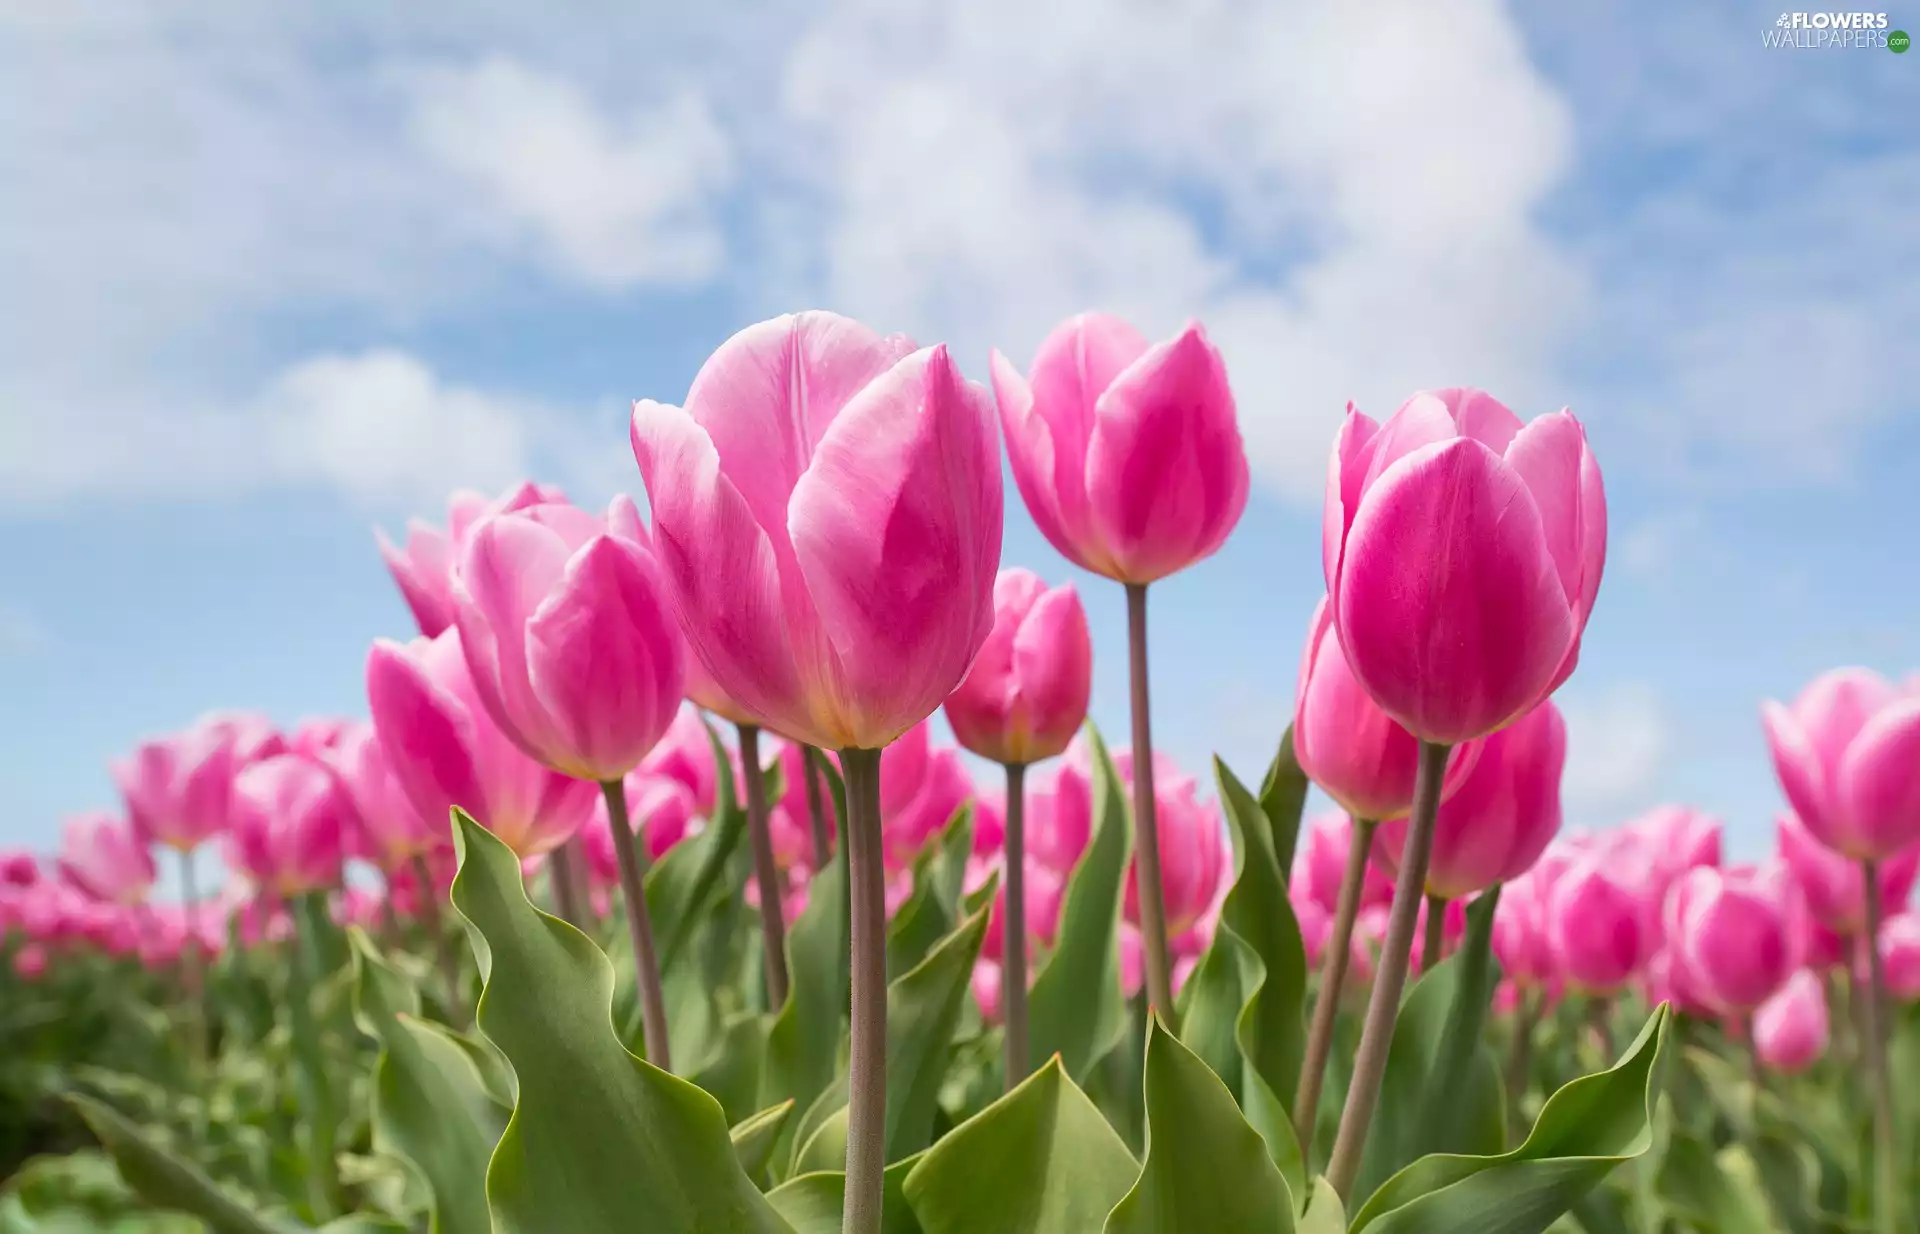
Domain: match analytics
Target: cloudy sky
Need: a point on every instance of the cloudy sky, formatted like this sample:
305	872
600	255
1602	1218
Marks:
276	275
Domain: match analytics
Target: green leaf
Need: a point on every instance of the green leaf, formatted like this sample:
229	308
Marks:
933	909
731	1071
598	1135
364	1223
430	1102
825	1148
1442	1090
754	1137
164	1180
1076	1008
1206	1168
1584	1131
1323	1213
1041	1160
680	884
813	1203
923	1008
1283	798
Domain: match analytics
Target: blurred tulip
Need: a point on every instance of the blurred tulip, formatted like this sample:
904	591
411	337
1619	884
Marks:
1848	756
1044	889
662	811
18	870
106	858
1597	929
177	788
1900	956
1659	846
446	752
1026	696
1463	552
391	830
990	823
827	510
254	737
424	568
1128	453
1736	935
920	789
1790	1029
30	963
1316	928
1522	939
1501	818
291	817
1321	862
319	734
1834	886
986	990
685	753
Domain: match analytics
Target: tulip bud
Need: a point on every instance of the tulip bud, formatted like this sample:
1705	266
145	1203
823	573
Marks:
290	819
1848	756
1736	935
1900	956
1833	886
1790	1029
1597	928
1026	695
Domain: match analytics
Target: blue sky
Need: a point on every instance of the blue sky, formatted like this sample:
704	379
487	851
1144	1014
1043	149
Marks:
275	280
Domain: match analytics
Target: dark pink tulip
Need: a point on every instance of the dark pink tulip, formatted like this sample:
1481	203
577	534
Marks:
445	751
18	870
291	817
1900	956
663	814
1668	980
572	642
106	858
30	963
177	788
1044	889
1026	695
1848	756
1463	552
1833	886
1597	927
1790	1029
1736	935
1499	821
424	569
685	754
1133	963
920	789
1321	863
990	823
1353	750
827	511
1128	453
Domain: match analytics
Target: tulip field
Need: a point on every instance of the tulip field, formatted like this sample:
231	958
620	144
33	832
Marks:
645	898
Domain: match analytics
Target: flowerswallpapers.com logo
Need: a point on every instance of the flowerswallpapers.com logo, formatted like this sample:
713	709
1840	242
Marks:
1835	32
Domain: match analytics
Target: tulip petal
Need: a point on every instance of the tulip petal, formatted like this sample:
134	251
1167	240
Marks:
1552	457
1479	415
1346	470
896	527
1802	778
510	566
1452	615
427	731
1880	783
422	570
1053	664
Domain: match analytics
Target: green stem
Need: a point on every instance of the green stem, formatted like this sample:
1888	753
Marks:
322	1121
561	885
817	809
1146	832
1886	1181
1526	1009
442	945
766	874
1390	977
633	889
867	1056
1600	1019
1333	976
1435	940
1013	945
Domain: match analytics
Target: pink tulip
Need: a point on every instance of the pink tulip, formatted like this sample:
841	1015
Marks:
1044	890
990	823
1463	552
1321	863
446	752
920	789
392	831
1659	846
1501	818
662	812
106	858
573	646
424	568
177	788
1316	927
1736	935
18	870
290	821
1026	695
1834	887
1128	453
790	819
1521	938
318	734
1848	756
1825	950
1346	744
1900	956
1059	817
1133	963
1668	980
1597	929
1790	1029
685	754
30	963
254	736
827	511
986	989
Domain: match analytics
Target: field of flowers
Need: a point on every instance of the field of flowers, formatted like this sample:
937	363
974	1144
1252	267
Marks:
646	901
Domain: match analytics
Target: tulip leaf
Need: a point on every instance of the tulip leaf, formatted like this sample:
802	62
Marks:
430	1102
923	1009
755	1135
1442	1089
165	1181
933	909
1323	1213
731	1071
825	1147
364	1223
1714	1193
598	1135
1205	1168
679	885
1283	798
1584	1131
1041	1160
1076	1008
814	1203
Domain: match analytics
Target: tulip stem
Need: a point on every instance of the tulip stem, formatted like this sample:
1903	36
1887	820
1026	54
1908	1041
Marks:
192	967
1526	1010
1886	1182
817	809
442	945
321	1122
1434	940
1333	976
1600	1019
1013	944
1146	832
867	1056
1390	976
633	889
766	873
566	894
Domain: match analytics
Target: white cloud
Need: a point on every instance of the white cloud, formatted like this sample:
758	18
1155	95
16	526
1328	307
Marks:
1616	747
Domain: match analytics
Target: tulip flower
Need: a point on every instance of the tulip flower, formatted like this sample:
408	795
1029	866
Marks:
254	736
1130	460
18	869
106	858
318	734
424	568
920	790
177	788
393	832
827	512
685	753
1319	866
1023	701
30	963
797	843
1736	934
1833	886
1790	1029
290	820
663	812
1848	756
1597	929
1899	947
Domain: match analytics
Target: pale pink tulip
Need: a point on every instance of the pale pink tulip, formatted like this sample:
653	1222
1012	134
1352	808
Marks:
1321	863
986	989
921	788
316	735
177	788
1128	453
446	751
1736	935
1900	956
1044	889
30	963
392	831
1833	886
424	568
255	737
827	510
1463	553
1026	695
1596	926
1790	1029
1522	940
1848	756
685	754
106	858
1316	927
291	817
663	814
18	869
